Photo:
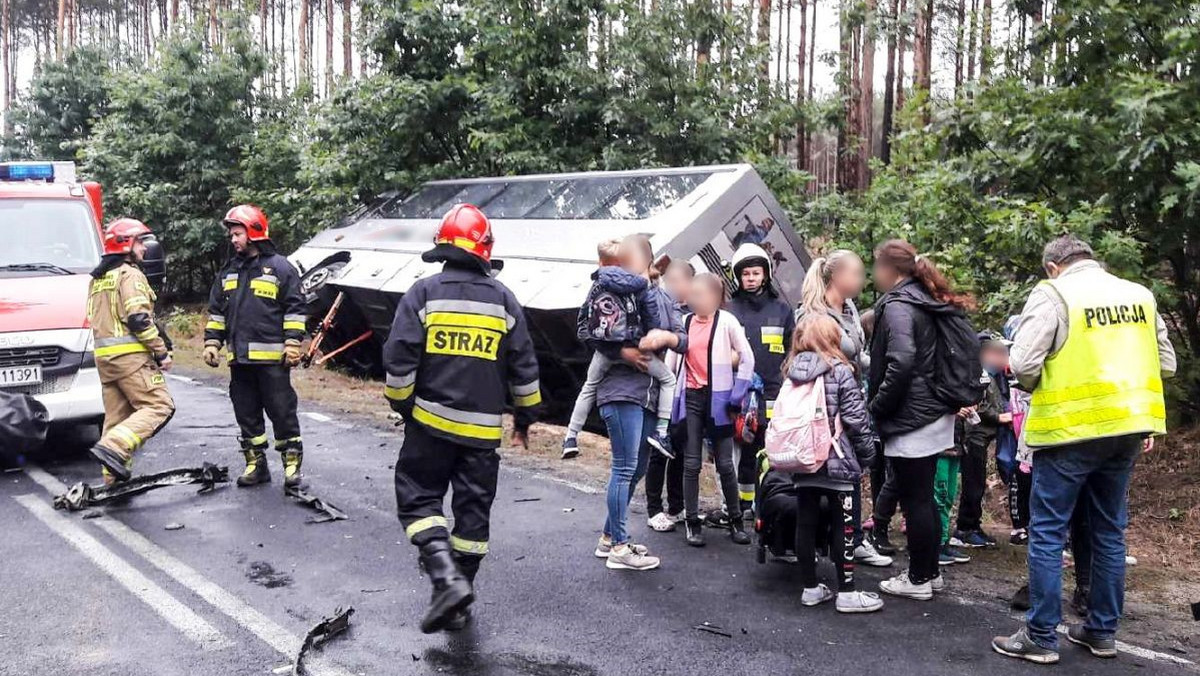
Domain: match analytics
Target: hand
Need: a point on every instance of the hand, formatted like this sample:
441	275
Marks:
656	340
291	353
1148	444
166	363
1005	418
636	358
966	412
520	439
212	354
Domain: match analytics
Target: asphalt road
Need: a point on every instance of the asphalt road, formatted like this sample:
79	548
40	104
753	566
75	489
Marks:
236	588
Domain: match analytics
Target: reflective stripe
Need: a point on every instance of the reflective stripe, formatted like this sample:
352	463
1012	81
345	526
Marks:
474	307
468	546
422	525
267	278
264	288
772	331
131	440
400	388
466	319
461	423
1148	414
230	282
295	318
294	322
214	325
1089	391
264	351
148	335
111	347
257	441
527	395
770	408
135	301
280	443
746	492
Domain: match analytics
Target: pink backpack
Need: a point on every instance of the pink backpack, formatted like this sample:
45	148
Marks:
798	438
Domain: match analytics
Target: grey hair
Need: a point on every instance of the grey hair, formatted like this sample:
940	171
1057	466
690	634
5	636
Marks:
1066	249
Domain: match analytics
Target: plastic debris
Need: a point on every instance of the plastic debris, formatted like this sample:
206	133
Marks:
328	511
320	634
712	629
173	526
81	495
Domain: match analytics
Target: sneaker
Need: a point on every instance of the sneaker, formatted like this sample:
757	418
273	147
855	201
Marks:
1099	647
717	519
866	555
1020	600
627	557
975	539
570	448
956	541
944	558
901	585
693	532
1020	646
858	602
661	442
1019	538
677	517
816	596
661	523
938	583
954	553
880	541
604	548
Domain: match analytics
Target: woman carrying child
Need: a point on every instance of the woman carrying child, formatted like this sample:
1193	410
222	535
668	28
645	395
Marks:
816	353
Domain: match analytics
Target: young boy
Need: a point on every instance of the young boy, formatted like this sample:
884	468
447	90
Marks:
620	308
993	414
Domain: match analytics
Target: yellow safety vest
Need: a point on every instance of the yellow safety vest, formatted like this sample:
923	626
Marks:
1106	381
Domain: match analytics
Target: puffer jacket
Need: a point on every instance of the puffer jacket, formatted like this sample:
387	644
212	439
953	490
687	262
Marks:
844	398
900	380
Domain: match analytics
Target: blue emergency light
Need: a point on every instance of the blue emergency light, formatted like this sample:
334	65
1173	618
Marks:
27	171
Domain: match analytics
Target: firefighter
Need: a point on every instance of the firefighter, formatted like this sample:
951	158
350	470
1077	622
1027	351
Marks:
130	353
458	346
769	323
256	309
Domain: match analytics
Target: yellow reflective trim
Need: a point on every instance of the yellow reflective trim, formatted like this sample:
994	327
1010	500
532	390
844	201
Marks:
214	325
264	355
293	326
467	430
747	496
148	335
125	348
466	319
468	546
421	525
131	439
257	441
771	339
1155	412
135	301
398	393
528	400
229	284
1090	391
264	288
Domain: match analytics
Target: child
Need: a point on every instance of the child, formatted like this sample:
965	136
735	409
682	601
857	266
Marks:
978	437
620	309
945	487
816	353
711	390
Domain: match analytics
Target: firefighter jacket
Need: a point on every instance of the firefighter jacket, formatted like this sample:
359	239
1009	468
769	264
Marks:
121	313
769	324
458	347
255	306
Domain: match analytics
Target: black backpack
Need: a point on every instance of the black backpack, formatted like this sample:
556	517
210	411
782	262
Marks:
609	317
957	369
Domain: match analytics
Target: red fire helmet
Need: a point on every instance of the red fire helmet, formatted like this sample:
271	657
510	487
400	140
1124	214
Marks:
120	234
465	227
251	218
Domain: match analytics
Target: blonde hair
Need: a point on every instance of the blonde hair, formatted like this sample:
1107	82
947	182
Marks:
608	250
817	332
818	277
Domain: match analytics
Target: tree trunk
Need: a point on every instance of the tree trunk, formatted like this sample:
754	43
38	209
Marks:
901	46
6	19
328	47
801	97
347	40
305	75
867	94
764	43
262	25
846	163
812	60
889	91
58	34
174	12
972	32
923	55
985	42
960	21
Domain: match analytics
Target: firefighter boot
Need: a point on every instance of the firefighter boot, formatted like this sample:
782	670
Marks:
469	565
451	589
114	464
291	468
257	471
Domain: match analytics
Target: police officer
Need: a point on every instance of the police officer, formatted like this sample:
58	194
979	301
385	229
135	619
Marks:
458	347
256	309
769	323
130	354
1093	350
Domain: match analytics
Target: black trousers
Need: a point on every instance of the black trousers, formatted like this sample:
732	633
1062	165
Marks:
699	426
974	485
747	469
258	388
660	469
914	485
886	497
837	531
1019	488
427	468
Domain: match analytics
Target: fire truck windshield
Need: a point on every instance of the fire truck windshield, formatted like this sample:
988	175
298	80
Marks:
45	234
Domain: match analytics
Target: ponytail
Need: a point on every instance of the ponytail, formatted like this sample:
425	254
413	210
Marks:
903	257
818	278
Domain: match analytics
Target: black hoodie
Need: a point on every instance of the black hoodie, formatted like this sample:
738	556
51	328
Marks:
901	391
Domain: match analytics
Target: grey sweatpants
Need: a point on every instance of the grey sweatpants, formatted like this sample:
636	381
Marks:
596	370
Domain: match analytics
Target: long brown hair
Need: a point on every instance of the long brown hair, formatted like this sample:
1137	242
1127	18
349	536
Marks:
903	257
820	333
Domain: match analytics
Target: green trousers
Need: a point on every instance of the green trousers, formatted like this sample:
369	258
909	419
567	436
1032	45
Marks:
945	491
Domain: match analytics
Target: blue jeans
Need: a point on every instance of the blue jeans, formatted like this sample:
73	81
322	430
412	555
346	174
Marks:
628	426
1096	474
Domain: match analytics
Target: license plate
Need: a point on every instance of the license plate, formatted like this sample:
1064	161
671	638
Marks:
15	376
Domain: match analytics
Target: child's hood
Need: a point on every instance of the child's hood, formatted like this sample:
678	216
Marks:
615	279
807	367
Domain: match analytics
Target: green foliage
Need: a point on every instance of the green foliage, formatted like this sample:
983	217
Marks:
65	98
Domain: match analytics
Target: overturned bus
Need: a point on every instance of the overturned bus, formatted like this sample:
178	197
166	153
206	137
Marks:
546	228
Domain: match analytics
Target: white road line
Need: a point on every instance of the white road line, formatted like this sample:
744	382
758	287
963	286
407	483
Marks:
319	417
182	379
175	613
271	633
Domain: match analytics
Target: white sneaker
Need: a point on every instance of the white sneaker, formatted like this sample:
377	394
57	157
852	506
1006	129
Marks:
902	586
677	518
816	596
661	523
938	583
626	557
1130	560
604	548
858	602
866	555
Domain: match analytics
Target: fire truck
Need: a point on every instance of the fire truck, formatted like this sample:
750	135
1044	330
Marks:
51	225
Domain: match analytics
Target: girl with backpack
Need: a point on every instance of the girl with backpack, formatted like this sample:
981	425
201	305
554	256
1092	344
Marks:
710	395
822	411
915	389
